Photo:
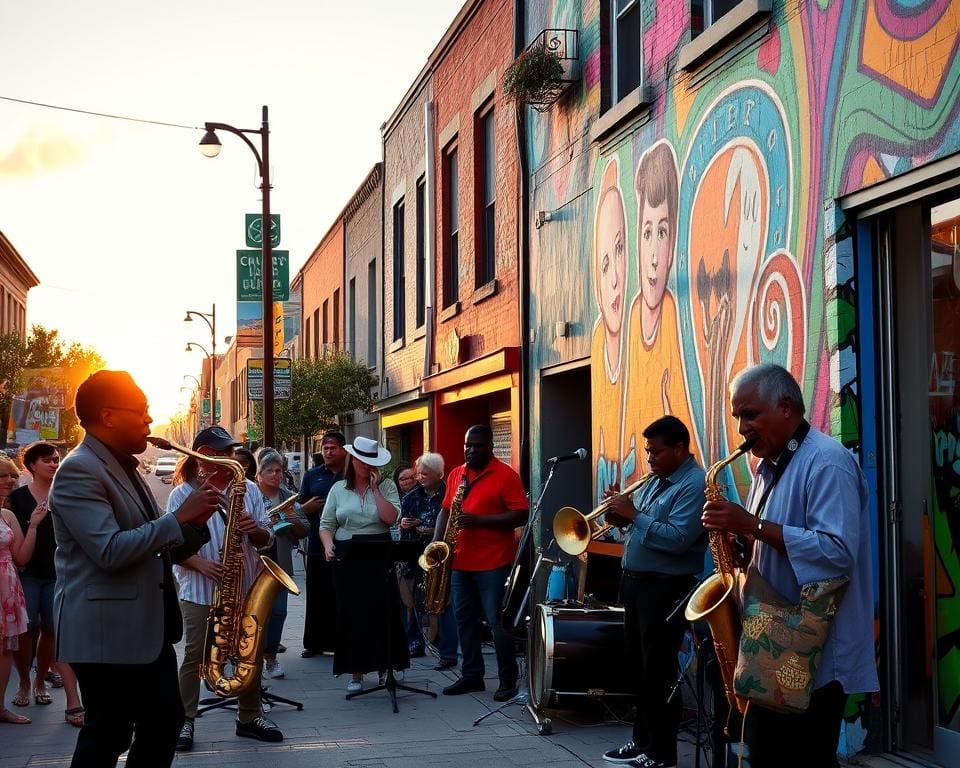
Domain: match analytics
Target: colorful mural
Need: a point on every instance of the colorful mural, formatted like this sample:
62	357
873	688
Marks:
751	259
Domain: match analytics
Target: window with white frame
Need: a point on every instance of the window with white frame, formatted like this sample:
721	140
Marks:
703	13
626	48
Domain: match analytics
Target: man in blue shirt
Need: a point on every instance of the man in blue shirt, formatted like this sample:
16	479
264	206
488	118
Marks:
662	556
813	525
319	623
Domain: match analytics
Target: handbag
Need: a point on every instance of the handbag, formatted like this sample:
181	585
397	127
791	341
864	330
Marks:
781	643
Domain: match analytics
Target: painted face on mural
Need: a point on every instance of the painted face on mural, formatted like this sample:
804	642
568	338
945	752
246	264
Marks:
611	256
655	256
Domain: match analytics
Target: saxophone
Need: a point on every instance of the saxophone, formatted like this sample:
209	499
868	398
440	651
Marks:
237	624
714	600
437	559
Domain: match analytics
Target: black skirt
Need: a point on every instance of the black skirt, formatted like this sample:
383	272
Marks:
370	634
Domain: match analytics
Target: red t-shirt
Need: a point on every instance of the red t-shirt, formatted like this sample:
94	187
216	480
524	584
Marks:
494	489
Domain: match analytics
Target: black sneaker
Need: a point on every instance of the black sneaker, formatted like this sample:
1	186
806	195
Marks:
445	664
308	653
625	754
464	685
185	741
259	728
645	761
505	692
281	648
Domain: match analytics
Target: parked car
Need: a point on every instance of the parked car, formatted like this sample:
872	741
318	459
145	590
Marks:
165	466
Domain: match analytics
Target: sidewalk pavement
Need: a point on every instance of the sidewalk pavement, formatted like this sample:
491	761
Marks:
361	733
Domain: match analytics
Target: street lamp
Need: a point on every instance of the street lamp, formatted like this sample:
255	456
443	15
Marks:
210	147
211	321
213	402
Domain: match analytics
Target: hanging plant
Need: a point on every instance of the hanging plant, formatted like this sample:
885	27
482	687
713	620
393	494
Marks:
534	78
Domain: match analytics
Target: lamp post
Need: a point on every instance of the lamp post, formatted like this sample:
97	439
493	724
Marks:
210	147
213	395
211	321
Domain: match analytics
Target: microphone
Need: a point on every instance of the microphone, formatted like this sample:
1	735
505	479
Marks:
580	453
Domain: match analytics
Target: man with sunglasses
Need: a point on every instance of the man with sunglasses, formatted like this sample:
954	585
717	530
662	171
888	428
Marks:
115	603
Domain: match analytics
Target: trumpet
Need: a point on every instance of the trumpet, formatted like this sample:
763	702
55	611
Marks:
277	520
573	530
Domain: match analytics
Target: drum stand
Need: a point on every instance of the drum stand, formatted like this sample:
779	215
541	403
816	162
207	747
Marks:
544	726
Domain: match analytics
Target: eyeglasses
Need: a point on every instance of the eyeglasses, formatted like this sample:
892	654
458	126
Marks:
144	411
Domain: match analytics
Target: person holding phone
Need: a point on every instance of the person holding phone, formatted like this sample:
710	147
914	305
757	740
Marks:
363	506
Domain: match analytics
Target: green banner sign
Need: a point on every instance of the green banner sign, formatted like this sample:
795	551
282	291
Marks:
253	228
205	408
250	275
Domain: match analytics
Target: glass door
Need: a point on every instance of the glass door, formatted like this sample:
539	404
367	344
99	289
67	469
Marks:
943	515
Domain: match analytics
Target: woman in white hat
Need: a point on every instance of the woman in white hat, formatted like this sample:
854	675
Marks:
362	507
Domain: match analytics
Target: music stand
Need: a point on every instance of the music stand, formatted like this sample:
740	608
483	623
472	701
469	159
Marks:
385	552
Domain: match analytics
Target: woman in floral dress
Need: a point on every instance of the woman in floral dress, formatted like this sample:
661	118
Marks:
13	605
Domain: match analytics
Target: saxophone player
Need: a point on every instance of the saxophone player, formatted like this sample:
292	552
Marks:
663	554
494	505
197	576
115	602
813	524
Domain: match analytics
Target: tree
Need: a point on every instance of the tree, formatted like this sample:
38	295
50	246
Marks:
322	390
13	357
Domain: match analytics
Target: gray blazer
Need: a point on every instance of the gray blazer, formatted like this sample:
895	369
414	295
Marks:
108	602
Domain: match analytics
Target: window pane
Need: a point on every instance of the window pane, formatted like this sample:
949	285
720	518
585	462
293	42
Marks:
489	158
489	244
628	51
718	8
421	251
453	192
399	299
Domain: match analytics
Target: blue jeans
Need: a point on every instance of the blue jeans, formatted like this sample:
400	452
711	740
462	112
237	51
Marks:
278	615
448	639
476	596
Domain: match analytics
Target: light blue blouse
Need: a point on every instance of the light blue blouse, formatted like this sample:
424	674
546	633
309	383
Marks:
821	502
346	514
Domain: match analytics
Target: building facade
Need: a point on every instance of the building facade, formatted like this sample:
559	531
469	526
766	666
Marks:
475	345
362	223
409	184
16	279
730	183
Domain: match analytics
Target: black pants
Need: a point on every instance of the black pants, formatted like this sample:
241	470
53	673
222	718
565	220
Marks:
805	741
129	702
320	619
652	644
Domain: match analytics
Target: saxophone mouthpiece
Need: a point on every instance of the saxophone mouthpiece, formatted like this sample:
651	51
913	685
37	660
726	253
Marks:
160	442
746	445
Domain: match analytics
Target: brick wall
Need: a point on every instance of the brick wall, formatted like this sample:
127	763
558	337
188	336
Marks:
466	74
322	275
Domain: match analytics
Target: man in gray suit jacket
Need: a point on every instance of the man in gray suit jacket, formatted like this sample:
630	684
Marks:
115	603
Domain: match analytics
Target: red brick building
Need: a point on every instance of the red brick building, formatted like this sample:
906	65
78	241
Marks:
474	350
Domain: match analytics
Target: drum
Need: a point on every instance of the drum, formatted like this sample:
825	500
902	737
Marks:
575	652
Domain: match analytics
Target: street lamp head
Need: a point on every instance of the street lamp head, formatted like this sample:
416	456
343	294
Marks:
210	144
188	318
189	347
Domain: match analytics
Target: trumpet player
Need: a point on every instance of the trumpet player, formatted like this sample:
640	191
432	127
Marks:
663	554
807	520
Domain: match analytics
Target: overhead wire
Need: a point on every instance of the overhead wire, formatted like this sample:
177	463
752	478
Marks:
107	115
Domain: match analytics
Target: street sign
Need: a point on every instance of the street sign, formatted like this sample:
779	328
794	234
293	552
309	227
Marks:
254	229
250	275
205	409
281	378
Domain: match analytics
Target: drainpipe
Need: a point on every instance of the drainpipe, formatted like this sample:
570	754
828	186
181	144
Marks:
429	224
523	242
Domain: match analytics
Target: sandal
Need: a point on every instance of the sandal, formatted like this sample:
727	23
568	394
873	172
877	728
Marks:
54	678
21	699
41	696
75	716
6	716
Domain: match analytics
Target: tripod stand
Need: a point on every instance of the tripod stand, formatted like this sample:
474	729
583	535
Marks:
383	553
267	699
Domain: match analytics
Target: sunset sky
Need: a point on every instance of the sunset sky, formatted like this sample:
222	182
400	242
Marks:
127	224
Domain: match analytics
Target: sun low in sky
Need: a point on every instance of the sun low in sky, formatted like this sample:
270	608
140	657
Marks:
126	223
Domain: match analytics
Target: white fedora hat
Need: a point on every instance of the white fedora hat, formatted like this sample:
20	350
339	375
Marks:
368	451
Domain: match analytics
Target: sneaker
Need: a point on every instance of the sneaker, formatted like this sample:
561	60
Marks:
445	664
645	761
281	648
355	686
416	651
625	754
464	685
185	741
260	729
505	692
308	653
272	668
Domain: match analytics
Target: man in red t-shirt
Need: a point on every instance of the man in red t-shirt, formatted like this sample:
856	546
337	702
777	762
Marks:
494	505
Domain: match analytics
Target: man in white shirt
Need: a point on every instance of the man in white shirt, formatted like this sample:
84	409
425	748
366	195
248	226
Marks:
197	576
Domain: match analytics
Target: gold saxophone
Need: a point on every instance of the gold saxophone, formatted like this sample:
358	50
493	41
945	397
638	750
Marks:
237	624
437	559
714	600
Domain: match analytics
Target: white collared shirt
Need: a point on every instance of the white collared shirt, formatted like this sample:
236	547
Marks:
192	586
